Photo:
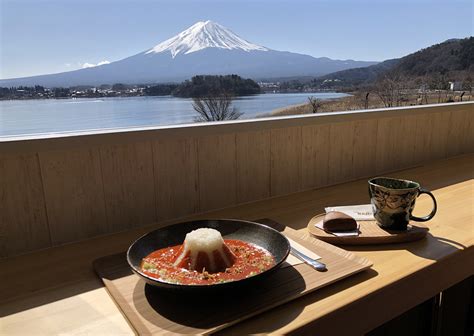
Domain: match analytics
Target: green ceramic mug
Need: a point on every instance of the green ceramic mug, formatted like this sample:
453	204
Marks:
393	201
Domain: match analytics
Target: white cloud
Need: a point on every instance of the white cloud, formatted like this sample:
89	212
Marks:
88	65
91	65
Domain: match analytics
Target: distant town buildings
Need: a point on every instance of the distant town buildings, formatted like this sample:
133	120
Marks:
455	86
39	92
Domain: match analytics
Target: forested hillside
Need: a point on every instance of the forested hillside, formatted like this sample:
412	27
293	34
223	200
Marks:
452	59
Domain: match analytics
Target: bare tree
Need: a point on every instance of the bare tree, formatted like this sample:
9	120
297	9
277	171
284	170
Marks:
467	84
439	82
315	104
366	101
215	108
421	85
390	89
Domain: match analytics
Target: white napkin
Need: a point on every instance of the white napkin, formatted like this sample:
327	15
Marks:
355	232
358	212
292	260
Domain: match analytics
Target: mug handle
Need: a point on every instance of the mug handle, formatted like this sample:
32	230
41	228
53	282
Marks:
433	212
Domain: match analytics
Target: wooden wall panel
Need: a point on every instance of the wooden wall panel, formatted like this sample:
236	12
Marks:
176	178
423	140
253	166
469	133
127	172
396	143
23	219
459	130
341	144
81	191
217	171
387	157
74	194
406	142
439	126
315	156
285	161
364	148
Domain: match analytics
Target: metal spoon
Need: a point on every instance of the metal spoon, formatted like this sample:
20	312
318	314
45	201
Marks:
317	265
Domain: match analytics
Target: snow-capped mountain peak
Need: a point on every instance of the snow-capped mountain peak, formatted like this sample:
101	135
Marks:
201	35
204	48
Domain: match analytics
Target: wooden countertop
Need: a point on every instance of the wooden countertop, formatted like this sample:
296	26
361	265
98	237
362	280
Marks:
56	291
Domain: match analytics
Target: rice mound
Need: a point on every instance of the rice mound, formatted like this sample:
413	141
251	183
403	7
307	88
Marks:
204	250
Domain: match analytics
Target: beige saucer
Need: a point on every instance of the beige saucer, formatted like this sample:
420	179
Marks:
370	233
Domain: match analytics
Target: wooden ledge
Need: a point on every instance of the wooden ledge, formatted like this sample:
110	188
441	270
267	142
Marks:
55	290
68	140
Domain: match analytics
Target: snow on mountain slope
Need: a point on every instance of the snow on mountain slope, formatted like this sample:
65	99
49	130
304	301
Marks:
201	35
206	48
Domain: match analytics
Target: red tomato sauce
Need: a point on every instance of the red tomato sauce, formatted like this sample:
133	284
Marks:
250	260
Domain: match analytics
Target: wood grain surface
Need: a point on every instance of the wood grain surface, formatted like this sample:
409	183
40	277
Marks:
315	157
364	148
154	311
74	194
72	300
370	233
175	178
217	172
88	185
127	173
285	161
341	152
253	166
23	218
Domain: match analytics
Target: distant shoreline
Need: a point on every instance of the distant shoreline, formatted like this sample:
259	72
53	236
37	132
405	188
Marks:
164	96
303	108
356	101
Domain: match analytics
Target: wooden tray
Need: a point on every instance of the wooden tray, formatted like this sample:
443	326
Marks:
153	311
370	233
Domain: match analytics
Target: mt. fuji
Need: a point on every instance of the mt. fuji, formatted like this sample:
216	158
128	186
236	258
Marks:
204	35
206	48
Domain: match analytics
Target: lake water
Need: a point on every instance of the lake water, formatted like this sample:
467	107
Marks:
27	117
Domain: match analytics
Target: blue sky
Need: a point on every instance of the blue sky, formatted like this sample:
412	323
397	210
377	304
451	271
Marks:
48	36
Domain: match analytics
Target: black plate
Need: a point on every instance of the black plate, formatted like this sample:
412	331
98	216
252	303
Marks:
258	234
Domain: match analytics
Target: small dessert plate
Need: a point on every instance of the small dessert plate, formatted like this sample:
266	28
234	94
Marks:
370	233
